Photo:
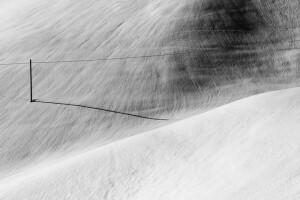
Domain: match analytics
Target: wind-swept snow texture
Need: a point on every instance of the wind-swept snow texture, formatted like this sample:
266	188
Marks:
226	62
246	150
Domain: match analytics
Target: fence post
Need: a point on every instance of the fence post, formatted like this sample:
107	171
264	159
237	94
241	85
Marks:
31	99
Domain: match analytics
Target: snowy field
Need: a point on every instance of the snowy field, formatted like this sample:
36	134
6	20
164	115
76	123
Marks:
193	112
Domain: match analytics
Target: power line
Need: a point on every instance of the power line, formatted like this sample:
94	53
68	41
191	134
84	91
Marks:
238	47
244	46
7	64
148	56
103	59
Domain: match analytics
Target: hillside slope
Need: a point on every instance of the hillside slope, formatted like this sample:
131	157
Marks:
248	150
169	87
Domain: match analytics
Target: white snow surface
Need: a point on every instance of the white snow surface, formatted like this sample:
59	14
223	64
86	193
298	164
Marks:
248	149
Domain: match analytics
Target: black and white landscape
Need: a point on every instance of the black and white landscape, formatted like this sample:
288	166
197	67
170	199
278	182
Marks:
150	99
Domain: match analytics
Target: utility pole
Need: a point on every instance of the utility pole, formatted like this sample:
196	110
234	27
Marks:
31	99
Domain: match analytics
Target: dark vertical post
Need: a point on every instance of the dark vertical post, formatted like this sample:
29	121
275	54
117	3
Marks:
31	100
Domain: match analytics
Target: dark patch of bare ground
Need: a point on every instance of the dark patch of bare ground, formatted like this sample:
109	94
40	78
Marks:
234	42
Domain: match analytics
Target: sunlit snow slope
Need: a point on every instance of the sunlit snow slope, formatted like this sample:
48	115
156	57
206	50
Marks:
248	149
233	65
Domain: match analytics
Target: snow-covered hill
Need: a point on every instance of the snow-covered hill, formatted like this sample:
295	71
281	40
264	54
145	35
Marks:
171	87
248	149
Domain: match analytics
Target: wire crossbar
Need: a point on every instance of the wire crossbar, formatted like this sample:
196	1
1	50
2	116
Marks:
145	56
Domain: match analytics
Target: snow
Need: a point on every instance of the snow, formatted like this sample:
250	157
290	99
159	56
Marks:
66	30
248	149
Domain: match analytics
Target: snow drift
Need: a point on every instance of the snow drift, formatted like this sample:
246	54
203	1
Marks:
248	149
